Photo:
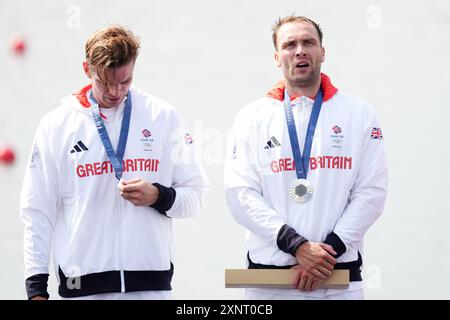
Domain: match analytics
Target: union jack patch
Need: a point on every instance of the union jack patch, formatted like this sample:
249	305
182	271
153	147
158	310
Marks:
188	139
376	134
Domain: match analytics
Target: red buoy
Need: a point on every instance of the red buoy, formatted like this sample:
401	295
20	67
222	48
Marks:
7	155
18	45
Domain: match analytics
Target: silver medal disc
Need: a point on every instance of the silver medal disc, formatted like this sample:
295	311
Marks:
301	190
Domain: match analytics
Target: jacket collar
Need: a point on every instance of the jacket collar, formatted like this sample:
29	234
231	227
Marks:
82	97
277	92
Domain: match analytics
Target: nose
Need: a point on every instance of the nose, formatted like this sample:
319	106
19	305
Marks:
114	90
300	52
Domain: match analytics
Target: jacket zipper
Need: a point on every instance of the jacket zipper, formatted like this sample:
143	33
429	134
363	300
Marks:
114	141
122	274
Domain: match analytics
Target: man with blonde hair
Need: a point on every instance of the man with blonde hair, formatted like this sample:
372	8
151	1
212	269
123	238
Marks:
108	170
306	174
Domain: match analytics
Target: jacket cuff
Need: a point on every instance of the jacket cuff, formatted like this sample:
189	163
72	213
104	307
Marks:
165	200
333	240
289	240
37	286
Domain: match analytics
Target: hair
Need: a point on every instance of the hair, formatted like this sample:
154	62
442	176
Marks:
111	47
292	18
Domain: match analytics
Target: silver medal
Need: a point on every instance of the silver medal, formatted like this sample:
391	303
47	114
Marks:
301	190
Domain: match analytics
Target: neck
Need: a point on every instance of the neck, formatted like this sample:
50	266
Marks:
296	90
110	107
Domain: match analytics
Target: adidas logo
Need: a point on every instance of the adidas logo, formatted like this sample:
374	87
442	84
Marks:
272	143
79	147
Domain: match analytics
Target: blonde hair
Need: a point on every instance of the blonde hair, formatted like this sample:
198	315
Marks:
111	47
293	18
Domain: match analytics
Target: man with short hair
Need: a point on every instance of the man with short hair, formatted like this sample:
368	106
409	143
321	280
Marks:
306	174
109	169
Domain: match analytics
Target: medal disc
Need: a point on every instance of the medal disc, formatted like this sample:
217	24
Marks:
301	190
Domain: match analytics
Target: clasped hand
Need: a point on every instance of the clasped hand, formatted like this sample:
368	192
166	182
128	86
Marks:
315	264
138	191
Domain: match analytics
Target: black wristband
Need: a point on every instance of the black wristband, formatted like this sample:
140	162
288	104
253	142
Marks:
36	285
289	240
333	240
165	200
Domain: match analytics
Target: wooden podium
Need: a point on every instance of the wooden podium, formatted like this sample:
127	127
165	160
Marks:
278	278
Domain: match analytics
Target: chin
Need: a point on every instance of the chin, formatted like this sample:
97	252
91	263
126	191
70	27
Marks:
113	103
307	79
303	81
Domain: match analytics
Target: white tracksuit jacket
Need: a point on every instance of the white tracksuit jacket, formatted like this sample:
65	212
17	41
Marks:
70	197
347	170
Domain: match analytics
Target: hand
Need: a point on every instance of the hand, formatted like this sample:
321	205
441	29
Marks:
139	192
38	298
305	280
316	258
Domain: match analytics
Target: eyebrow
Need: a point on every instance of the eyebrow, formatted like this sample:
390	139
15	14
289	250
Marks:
290	41
126	80
287	42
106	82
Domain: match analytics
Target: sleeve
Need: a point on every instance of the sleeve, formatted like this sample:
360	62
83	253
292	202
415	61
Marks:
368	194
38	208
165	199
243	188
189	180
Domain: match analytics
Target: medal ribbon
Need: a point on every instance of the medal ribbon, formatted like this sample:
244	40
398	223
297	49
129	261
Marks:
114	157
302	163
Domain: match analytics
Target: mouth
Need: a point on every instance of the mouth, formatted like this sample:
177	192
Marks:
302	65
113	99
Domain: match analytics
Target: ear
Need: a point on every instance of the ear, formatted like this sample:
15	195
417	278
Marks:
277	59
86	69
323	55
